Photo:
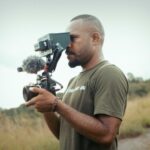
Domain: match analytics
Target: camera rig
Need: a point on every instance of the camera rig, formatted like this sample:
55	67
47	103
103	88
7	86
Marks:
50	46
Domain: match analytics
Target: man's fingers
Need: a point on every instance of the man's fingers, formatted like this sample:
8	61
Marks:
35	89
30	102
34	99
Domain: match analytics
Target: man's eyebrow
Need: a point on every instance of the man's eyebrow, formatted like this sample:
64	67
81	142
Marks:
74	35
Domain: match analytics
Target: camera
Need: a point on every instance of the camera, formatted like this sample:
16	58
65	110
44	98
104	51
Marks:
47	44
51	47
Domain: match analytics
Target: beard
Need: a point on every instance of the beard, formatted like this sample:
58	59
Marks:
74	63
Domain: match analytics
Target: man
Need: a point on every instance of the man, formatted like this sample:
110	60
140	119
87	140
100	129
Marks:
90	113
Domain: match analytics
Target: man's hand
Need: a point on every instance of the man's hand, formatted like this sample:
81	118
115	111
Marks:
43	102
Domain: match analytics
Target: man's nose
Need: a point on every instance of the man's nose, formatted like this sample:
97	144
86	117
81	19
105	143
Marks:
69	45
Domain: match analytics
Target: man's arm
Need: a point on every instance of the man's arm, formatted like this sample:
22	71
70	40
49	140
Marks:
53	122
42	103
101	128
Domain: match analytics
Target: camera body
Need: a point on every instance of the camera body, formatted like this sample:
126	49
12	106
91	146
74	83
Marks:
47	44
42	81
50	46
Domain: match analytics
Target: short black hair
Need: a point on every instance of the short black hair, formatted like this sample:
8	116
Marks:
92	19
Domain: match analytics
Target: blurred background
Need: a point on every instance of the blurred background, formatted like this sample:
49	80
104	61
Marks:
126	44
126	25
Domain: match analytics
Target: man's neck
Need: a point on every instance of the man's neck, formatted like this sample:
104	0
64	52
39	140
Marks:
93	63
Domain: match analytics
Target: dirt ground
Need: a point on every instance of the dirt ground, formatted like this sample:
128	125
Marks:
141	142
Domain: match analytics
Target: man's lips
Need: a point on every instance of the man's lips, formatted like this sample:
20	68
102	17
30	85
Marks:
70	56
69	52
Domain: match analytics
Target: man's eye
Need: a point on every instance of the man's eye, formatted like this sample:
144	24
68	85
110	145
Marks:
72	38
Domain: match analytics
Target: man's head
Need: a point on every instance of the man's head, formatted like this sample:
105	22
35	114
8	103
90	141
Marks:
92	22
87	37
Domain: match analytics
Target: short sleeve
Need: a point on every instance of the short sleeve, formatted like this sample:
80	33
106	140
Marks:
110	88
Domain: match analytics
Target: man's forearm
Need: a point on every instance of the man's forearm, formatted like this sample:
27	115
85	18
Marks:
101	131
53	123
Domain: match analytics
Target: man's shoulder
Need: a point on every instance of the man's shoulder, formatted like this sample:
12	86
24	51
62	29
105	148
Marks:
108	67
109	71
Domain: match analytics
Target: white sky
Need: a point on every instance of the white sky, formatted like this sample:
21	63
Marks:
22	22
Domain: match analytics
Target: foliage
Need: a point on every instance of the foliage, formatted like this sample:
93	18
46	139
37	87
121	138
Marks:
25	129
132	78
138	86
139	89
136	118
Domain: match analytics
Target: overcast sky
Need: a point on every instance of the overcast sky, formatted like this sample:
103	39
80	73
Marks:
22	22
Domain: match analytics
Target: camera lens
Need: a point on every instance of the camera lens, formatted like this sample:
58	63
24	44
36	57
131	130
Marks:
27	94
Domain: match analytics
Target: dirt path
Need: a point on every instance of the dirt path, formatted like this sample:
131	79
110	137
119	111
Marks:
139	143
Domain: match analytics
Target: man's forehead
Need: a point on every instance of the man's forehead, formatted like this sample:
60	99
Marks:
75	25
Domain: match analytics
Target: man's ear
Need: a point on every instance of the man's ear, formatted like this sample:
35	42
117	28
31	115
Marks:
96	37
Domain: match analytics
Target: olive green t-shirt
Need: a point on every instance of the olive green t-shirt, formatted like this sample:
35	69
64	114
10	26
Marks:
100	90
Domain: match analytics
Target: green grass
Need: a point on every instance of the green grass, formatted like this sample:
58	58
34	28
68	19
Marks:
136	118
26	135
24	131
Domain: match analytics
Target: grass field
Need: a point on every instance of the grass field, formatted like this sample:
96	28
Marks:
136	119
31	133
26	134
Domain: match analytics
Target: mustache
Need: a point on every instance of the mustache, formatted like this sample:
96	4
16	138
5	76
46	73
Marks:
69	52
